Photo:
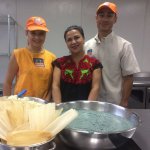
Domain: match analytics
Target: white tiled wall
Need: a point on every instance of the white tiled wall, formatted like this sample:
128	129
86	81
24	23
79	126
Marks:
133	24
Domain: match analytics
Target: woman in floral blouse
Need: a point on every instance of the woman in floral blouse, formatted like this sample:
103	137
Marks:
77	76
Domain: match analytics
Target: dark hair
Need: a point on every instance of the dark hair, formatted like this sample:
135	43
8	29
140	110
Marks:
112	12
74	27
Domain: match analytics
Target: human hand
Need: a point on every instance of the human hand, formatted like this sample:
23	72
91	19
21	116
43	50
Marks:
124	104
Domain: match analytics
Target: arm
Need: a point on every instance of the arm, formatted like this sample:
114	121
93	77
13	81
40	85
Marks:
95	85
127	87
11	72
49	94
56	94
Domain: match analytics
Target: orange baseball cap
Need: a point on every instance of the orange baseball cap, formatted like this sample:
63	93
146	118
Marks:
109	5
36	23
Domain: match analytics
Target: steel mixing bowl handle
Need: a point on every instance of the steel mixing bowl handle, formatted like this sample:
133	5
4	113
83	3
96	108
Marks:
54	146
140	120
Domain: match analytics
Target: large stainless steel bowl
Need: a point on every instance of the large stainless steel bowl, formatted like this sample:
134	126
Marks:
98	141
49	145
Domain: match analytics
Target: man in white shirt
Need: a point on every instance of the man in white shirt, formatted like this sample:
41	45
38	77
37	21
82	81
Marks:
116	55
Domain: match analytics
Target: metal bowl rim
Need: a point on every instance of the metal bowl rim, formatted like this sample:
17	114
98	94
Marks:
40	144
100	133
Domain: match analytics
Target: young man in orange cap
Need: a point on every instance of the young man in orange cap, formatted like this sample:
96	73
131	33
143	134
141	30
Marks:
116	55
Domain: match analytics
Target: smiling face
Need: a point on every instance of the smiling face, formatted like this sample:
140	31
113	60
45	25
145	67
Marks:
105	20
75	41
36	38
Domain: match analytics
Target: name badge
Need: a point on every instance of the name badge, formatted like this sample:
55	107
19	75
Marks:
89	52
39	62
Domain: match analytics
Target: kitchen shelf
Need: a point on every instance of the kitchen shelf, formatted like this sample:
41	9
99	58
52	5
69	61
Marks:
8	20
4	54
4	20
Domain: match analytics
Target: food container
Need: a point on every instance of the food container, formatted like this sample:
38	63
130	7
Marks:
98	141
49	145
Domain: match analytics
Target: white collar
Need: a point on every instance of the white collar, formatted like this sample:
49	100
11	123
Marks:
105	39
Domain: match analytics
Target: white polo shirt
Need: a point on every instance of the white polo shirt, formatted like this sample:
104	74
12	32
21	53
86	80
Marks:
118	60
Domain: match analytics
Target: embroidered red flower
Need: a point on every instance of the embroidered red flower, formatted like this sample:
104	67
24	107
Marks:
91	60
73	81
86	66
89	80
84	81
77	74
69	66
92	69
69	80
80	81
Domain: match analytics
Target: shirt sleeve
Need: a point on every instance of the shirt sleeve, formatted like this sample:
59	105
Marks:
54	57
56	63
97	64
129	63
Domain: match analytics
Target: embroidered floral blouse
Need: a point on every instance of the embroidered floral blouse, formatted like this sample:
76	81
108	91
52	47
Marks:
75	83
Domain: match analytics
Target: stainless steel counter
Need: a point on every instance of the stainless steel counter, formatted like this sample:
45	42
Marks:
141	83
141	135
141	79
1	86
140	95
